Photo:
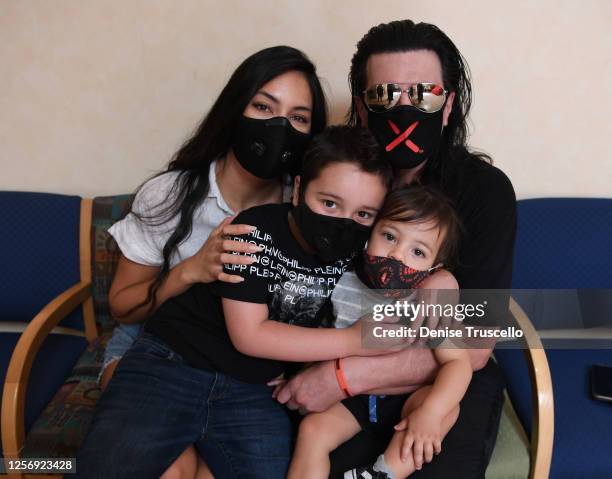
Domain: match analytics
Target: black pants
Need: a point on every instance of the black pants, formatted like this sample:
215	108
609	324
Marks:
467	448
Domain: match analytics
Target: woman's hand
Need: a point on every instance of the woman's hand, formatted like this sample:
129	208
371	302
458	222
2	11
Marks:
206	265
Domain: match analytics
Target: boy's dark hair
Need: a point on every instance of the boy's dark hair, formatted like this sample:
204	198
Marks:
344	144
418	204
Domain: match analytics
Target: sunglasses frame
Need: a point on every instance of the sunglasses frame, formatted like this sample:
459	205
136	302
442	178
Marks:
426	85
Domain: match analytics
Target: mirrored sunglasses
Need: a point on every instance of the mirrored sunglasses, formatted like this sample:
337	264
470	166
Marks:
427	97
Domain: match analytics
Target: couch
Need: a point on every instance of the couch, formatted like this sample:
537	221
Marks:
54	318
563	280
61	265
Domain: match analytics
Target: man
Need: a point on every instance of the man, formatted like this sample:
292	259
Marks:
421	123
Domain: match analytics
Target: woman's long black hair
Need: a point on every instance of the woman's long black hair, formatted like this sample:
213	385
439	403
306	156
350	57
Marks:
405	35
211	141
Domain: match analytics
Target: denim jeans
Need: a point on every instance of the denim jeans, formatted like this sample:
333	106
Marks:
156	405
121	340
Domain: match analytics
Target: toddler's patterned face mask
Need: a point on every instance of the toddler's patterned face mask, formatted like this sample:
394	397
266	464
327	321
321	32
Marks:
381	272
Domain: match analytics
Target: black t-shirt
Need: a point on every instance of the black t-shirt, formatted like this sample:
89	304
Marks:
486	205
292	283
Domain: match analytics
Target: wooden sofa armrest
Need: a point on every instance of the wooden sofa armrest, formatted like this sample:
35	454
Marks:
543	424
89	319
16	383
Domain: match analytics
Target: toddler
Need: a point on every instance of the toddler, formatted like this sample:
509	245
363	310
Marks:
414	235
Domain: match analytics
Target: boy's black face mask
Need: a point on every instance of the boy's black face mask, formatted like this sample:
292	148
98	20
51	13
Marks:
268	148
409	136
330	237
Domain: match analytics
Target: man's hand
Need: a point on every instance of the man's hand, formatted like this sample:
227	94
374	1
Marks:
313	390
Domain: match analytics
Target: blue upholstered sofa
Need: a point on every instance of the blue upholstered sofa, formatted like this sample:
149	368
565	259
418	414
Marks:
40	261
58	261
565	245
57	264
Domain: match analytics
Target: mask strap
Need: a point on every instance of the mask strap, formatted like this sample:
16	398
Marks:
433	268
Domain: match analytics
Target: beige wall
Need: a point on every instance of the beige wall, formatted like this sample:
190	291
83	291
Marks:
95	95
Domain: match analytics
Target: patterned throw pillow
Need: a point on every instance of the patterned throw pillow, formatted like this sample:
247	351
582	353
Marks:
107	210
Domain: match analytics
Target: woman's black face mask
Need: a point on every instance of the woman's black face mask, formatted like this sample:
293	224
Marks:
331	238
268	148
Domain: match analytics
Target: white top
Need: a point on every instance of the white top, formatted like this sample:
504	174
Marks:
143	243
351	299
347	300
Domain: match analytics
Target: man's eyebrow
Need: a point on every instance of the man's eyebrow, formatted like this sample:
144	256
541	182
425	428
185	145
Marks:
275	100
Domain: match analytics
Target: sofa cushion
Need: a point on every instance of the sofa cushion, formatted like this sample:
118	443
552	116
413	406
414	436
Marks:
518	383
105	253
51	367
549	229
40	256
579	419
60	429
510	459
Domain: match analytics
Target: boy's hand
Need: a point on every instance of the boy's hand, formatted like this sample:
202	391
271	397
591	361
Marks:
422	437
365	342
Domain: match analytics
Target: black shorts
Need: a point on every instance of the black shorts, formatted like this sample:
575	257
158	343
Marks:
467	447
388	412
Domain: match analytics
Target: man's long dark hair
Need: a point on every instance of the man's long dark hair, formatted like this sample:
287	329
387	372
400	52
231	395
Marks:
211	141
405	35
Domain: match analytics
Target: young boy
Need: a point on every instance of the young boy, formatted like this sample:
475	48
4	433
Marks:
415	234
241	335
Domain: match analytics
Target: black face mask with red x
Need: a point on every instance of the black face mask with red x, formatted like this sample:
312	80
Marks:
409	136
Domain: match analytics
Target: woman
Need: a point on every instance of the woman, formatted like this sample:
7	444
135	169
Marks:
239	157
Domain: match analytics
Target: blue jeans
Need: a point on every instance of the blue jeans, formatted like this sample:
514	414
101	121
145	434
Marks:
156	405
121	340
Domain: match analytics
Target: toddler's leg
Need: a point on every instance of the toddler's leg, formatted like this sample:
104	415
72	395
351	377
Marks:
184	467
319	434
391	457
189	465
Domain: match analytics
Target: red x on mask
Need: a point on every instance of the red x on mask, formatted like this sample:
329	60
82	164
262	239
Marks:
404	136
408	135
